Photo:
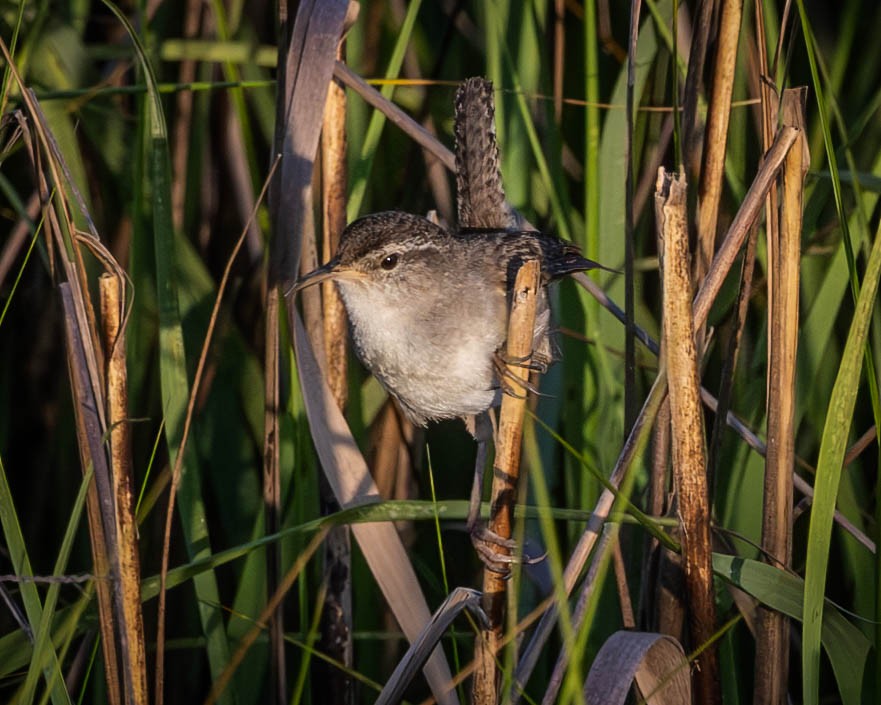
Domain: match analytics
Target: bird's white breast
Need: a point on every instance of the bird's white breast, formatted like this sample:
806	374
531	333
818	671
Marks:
429	357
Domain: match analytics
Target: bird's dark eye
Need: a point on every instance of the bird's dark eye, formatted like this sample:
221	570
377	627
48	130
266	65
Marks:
389	261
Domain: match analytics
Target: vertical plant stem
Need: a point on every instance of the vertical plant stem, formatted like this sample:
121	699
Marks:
631	406
716	136
91	454
272	488
506	473
336	620
686	417
131	617
693	80
772	634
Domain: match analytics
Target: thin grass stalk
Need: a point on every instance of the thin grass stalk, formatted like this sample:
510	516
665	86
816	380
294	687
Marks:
686	417
631	404
583	609
772	635
183	119
395	115
364	164
272	376
435	174
272	486
559	56
18	235
131	621
716	135
592	125
628	618
506	475
656	604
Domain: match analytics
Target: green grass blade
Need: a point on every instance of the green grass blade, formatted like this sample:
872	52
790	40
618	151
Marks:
173	370
21	564
361	171
832	449
845	645
44	651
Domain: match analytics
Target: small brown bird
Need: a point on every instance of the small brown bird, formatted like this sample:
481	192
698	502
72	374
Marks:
429	307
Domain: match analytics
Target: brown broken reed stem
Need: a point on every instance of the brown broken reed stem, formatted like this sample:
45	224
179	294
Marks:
506	473
112	300
686	418
772	633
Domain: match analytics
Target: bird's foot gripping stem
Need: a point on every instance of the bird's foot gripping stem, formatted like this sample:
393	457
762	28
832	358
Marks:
508	381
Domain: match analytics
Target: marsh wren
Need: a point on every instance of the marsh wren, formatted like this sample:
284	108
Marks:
429	306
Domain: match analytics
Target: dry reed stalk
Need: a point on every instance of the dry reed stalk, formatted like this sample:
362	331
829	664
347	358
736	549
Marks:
686	417
716	134
395	115
506	473
131	620
177	467
334	178
92	456
18	235
772	635
336	621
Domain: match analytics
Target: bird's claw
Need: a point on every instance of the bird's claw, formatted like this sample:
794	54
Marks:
483	539
506	377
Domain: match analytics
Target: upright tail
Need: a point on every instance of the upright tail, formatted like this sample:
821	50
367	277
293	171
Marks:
480	194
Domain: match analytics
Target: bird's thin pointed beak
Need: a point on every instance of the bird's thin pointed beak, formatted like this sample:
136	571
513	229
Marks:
327	271
331	270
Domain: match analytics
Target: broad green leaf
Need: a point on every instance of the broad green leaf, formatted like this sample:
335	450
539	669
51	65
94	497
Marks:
845	645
